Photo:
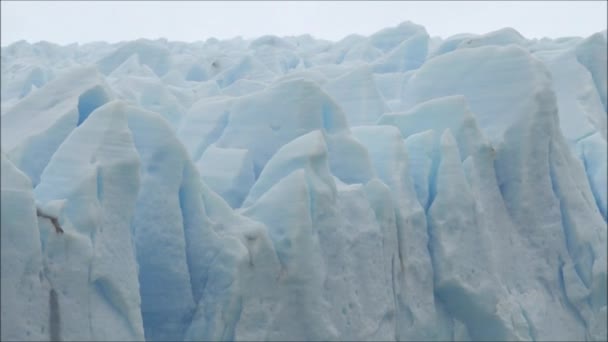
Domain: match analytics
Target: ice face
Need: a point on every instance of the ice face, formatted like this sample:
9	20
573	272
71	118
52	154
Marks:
393	187
155	56
94	171
356	93
52	112
228	171
25	291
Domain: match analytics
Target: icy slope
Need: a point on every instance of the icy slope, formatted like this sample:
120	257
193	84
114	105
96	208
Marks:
390	187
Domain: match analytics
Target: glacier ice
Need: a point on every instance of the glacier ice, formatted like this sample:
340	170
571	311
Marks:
54	112
357	94
394	187
228	171
25	293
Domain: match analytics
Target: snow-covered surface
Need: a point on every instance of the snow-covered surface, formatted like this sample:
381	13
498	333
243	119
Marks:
390	187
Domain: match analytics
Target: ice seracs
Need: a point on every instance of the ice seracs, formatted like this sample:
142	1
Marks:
392	187
33	129
25	293
356	93
228	171
96	172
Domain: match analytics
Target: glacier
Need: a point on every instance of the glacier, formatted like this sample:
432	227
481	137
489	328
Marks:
390	187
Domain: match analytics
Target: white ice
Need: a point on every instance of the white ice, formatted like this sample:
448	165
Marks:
392	187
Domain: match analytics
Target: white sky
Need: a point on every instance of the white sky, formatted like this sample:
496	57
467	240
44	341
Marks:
66	22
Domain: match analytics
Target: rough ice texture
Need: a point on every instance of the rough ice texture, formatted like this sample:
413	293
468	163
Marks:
390	187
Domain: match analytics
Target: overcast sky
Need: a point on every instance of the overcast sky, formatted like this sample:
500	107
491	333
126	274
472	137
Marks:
66	22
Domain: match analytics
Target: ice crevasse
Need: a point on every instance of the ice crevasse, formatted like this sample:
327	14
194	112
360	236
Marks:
390	187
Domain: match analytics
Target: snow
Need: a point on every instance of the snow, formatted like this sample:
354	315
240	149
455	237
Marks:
388	187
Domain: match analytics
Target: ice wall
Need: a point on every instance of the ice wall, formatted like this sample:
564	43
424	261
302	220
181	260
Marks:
393	187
